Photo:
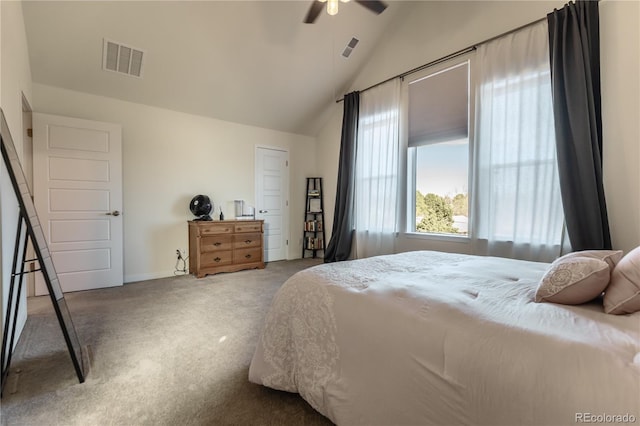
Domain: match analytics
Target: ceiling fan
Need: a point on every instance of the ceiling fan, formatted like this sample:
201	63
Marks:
375	6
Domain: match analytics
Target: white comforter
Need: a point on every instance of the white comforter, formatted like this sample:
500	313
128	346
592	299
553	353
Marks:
435	338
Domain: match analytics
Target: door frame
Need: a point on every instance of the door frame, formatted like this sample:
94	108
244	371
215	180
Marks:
116	202
286	190
27	150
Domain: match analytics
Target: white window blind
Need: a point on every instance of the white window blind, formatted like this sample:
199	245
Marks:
438	107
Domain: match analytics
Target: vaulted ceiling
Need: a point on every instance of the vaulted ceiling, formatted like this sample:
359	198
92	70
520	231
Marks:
250	62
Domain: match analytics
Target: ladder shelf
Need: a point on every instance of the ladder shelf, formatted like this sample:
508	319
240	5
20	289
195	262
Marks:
313	241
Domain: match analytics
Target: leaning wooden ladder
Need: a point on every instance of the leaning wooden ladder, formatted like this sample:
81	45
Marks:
314	240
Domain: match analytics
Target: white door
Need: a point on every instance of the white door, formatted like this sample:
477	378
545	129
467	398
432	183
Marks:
272	200
77	183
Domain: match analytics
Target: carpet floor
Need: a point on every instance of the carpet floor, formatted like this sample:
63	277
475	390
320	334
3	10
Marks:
172	351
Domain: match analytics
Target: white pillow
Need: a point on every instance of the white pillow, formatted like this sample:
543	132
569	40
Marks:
572	280
612	257
622	296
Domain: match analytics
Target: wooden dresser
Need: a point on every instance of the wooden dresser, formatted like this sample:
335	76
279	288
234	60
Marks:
225	246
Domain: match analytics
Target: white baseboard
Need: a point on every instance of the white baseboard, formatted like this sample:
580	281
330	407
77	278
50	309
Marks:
155	275
144	277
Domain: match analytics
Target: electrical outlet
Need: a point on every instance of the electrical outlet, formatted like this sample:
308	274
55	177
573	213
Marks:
179	254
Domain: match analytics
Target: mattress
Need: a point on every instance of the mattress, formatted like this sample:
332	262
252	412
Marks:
437	338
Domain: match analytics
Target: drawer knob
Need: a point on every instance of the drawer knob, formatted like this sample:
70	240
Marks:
216	244
217	259
248	256
247	241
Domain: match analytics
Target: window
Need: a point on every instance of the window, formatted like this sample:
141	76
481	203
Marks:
377	170
517	178
481	160
377	176
438	154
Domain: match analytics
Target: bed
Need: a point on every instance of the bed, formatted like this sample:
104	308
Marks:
437	338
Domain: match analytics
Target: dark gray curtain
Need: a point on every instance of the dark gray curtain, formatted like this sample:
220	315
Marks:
339	247
574	49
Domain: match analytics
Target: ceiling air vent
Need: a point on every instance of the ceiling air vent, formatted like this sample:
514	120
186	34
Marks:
352	45
122	59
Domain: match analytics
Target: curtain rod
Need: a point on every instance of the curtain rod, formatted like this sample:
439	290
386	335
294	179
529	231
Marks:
450	56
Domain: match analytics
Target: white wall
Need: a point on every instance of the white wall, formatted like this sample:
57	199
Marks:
620	67
432	30
327	157
15	79
168	157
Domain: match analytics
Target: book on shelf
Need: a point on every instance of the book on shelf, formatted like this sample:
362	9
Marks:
312	243
314	205
313	225
313	193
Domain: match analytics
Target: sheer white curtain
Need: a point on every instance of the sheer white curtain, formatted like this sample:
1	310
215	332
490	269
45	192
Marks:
377	200
517	204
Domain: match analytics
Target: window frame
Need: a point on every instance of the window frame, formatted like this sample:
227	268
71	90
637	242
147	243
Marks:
407	214
530	78
372	124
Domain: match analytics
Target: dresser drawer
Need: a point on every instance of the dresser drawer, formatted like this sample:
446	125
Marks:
247	241
247	255
225	246
216	228
249	227
216	258
216	242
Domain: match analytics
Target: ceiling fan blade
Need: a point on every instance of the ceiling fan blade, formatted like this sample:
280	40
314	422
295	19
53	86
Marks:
375	6
314	11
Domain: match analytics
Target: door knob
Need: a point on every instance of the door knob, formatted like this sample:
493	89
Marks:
113	213
263	211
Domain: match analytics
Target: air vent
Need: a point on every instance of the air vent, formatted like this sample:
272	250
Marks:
352	45
122	59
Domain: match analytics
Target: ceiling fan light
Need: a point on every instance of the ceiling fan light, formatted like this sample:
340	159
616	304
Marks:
332	7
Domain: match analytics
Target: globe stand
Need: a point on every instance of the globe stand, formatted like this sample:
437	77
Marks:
203	218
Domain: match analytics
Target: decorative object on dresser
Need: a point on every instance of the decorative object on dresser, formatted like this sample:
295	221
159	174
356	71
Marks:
201	206
313	240
244	211
225	246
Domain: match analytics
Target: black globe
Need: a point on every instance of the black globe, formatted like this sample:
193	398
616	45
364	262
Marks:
201	206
